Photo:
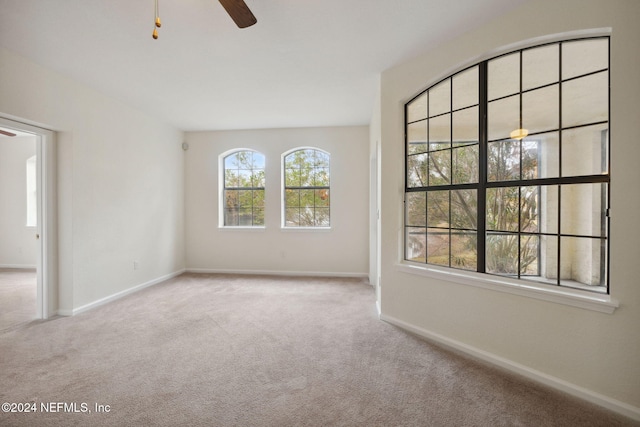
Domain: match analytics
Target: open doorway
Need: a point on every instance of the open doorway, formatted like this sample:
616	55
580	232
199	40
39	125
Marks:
27	223
18	227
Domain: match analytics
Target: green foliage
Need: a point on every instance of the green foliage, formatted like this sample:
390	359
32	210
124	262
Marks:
307	178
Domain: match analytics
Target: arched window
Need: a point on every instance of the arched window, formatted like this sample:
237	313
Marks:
243	193
306	196
507	167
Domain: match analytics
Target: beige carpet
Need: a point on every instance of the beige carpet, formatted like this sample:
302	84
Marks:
216	350
17	297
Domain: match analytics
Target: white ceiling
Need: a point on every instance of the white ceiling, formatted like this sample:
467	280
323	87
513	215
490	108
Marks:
305	63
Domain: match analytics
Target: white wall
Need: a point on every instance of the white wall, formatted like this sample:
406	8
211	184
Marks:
341	250
593	351
18	245
120	182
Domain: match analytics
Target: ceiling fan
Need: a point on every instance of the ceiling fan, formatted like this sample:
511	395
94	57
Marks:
6	133
237	10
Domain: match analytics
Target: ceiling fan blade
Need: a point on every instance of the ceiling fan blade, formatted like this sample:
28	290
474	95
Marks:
4	132
239	12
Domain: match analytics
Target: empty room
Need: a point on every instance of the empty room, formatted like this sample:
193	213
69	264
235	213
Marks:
360	213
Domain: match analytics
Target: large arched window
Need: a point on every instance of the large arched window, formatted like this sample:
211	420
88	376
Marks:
507	167
306	198
243	192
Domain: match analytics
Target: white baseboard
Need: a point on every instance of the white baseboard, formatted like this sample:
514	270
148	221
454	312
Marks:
278	273
19	266
120	294
535	375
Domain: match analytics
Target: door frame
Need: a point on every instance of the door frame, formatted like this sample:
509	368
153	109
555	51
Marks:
46	230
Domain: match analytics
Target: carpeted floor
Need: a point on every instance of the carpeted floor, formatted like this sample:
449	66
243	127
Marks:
223	350
17	297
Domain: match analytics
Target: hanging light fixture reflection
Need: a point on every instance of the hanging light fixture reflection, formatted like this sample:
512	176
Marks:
519	134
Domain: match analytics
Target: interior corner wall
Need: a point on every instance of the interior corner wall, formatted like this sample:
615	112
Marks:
340	250
591	351
18	245
119	184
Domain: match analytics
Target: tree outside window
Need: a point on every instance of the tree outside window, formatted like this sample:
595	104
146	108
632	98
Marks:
307	188
244	187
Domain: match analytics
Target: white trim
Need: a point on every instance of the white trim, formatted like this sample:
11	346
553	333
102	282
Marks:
118	295
19	266
533	374
278	273
300	229
575	298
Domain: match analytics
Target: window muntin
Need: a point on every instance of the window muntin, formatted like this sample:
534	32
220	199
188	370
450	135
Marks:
244	183
306	197
482	198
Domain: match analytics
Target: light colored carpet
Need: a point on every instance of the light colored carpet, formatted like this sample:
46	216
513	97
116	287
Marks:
17	297
220	350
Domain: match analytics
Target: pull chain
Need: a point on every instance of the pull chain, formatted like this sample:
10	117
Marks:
158	23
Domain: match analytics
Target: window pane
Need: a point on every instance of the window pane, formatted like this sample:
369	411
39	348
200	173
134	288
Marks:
529	209
257	178
292	217
503	160
582	209
258	216
439	167
417	137
438	209
416	239
504	76
321	160
503	117
581	261
231	178
502	254
245	218
307	198
464	209
438	247
540	109
465	164
465	88
548	209
322	198
584	151
464	250
417	109
292	198
584	56
321	177
416	209
231	216
292	177
231	198
258	198
322	217
502	209
440	98
585	100
307	217
417	170
440	132
548	260
245	198
540	156
540	66
529	260
465	126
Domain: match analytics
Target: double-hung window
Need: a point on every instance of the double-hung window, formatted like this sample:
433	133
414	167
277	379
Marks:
306	196
507	167
243	193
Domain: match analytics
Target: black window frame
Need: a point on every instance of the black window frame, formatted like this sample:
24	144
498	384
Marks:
484	184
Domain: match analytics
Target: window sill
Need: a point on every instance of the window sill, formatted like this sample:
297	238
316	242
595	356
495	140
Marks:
301	229
241	228
571	297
